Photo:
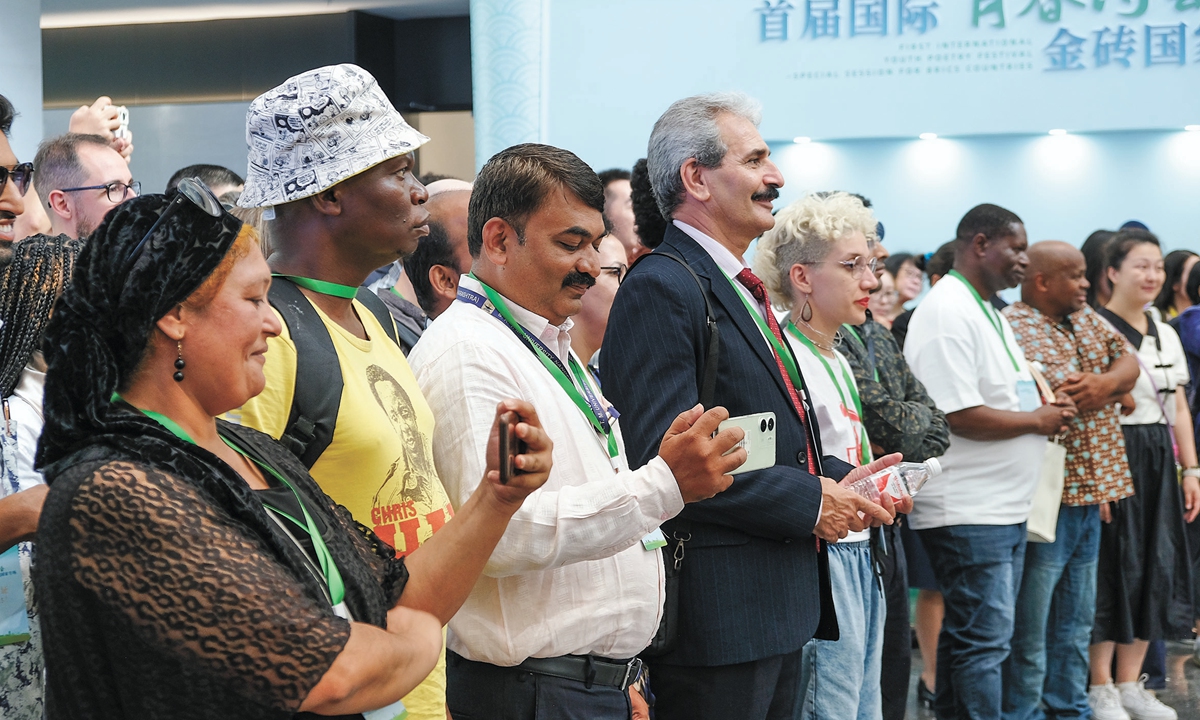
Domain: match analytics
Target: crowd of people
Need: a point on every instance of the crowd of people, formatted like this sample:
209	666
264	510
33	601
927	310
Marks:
330	439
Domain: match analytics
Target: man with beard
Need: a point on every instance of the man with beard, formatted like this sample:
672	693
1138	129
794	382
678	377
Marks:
971	518
13	186
80	178
574	591
333	159
754	582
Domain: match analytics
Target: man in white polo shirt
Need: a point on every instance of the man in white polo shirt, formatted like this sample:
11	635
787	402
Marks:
972	517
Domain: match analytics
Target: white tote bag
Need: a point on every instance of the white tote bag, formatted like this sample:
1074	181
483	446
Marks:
1047	497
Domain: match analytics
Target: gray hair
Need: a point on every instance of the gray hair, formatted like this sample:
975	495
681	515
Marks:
688	129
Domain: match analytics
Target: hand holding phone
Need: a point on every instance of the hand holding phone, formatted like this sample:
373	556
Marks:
510	447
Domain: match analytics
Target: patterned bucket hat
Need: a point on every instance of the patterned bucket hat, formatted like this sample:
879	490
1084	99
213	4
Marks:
317	129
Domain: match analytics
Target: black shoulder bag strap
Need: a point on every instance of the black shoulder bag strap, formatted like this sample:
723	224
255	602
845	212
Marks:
318	385
712	353
380	310
317	394
667	634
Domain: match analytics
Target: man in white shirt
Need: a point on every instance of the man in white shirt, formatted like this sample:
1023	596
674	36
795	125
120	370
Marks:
971	518
575	589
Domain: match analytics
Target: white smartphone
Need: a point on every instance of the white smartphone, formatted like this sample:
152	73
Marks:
759	441
123	118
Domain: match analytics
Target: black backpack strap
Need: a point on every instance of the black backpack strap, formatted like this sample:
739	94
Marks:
380	310
708	387
318	385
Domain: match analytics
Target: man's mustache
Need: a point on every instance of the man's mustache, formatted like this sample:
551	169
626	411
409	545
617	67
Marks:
771	193
577	278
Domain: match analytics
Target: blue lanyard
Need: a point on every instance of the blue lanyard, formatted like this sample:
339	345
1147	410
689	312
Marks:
579	390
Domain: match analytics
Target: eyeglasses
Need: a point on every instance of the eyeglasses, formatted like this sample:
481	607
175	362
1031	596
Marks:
618	270
116	190
190	190
21	176
856	267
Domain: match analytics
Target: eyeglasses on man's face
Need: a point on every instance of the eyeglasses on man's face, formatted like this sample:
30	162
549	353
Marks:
617	271
21	175
116	190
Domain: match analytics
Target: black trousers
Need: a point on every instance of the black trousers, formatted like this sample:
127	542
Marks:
480	691
767	689
897	633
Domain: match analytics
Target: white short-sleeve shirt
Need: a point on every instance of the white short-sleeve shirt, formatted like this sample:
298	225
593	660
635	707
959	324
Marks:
1162	365
837	420
955	351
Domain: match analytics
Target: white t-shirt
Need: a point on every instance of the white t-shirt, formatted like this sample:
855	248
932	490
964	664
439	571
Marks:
1162	369
841	427
955	351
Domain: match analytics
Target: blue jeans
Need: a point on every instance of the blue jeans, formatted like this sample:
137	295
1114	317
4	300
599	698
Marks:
979	570
840	679
1055	611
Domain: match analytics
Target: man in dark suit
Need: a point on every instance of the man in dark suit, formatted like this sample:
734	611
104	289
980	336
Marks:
754	581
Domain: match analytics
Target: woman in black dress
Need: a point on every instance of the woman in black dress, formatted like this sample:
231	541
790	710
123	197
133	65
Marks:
189	568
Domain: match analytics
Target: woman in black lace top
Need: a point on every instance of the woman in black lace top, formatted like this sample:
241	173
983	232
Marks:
189	568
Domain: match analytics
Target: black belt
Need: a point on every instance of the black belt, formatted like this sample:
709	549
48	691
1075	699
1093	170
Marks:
587	669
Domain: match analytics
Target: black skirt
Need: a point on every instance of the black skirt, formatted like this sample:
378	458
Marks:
1144	578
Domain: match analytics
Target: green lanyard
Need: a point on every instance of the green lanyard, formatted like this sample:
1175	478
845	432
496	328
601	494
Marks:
853	331
865	443
991	314
785	356
346	292
333	576
569	387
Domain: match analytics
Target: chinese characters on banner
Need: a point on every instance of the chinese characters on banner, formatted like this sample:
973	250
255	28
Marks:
851	18
1118	42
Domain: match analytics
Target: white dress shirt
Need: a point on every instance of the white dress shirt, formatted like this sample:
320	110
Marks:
570	576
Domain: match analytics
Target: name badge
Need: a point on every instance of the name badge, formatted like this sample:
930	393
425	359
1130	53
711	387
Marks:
1027	395
395	711
654	540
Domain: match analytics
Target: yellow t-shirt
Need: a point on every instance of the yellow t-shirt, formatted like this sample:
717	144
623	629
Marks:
380	461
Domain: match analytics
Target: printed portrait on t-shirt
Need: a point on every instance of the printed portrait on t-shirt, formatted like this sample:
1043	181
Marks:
414	466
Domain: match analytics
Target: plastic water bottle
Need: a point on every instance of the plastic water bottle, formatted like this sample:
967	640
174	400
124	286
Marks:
903	479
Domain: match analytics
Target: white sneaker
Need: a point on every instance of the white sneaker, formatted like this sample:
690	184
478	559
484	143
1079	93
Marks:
1105	701
1141	703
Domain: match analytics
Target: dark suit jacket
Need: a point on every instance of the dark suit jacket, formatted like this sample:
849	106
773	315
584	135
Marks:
752	576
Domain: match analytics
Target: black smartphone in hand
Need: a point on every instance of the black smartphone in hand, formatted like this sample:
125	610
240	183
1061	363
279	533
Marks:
510	447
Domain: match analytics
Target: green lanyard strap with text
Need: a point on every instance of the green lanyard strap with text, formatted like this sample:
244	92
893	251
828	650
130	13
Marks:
324	287
783	352
605	430
865	443
991	314
333	576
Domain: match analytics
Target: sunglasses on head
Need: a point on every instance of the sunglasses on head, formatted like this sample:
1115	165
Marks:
191	190
21	176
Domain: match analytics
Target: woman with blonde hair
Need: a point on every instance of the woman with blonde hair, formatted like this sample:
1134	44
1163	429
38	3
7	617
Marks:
817	261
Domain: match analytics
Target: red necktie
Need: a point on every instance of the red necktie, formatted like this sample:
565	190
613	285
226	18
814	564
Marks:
751	282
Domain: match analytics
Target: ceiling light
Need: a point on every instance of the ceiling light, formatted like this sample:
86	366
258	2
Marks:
928	136
1058	131
804	140
1192	128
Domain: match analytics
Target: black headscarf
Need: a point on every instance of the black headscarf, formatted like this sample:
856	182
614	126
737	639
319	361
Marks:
95	340
101	325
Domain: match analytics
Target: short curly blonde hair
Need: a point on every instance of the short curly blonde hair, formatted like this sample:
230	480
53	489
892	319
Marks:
804	233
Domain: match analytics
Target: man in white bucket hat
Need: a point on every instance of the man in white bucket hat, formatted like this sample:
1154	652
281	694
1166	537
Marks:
333	159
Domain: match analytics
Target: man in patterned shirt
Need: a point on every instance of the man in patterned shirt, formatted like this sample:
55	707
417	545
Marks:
1083	357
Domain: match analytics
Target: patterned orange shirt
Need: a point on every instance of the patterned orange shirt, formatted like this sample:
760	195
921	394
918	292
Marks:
1096	469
